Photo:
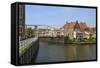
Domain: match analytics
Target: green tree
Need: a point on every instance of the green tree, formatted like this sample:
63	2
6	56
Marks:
67	40
29	32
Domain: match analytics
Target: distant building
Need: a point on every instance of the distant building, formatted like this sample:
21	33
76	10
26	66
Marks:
76	30
92	31
73	30
83	26
45	32
60	32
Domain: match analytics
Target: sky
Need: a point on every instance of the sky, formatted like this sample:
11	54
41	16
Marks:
58	16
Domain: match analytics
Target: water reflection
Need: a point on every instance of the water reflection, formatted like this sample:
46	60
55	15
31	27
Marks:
65	52
80	52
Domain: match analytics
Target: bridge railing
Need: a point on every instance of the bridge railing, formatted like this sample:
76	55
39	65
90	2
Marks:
24	44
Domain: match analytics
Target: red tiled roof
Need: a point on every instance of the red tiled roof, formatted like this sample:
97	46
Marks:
82	25
70	25
91	30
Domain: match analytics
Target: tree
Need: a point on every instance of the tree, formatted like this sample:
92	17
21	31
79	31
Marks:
29	32
67	39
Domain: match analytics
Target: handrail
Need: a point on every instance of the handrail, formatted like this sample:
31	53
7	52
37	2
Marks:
26	43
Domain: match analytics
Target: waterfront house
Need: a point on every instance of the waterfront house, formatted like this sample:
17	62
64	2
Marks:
73	30
77	31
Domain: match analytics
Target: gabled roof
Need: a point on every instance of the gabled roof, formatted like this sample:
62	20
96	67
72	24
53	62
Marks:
82	25
69	25
72	25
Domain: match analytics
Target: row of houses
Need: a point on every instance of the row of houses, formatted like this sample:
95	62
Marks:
74	30
45	32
